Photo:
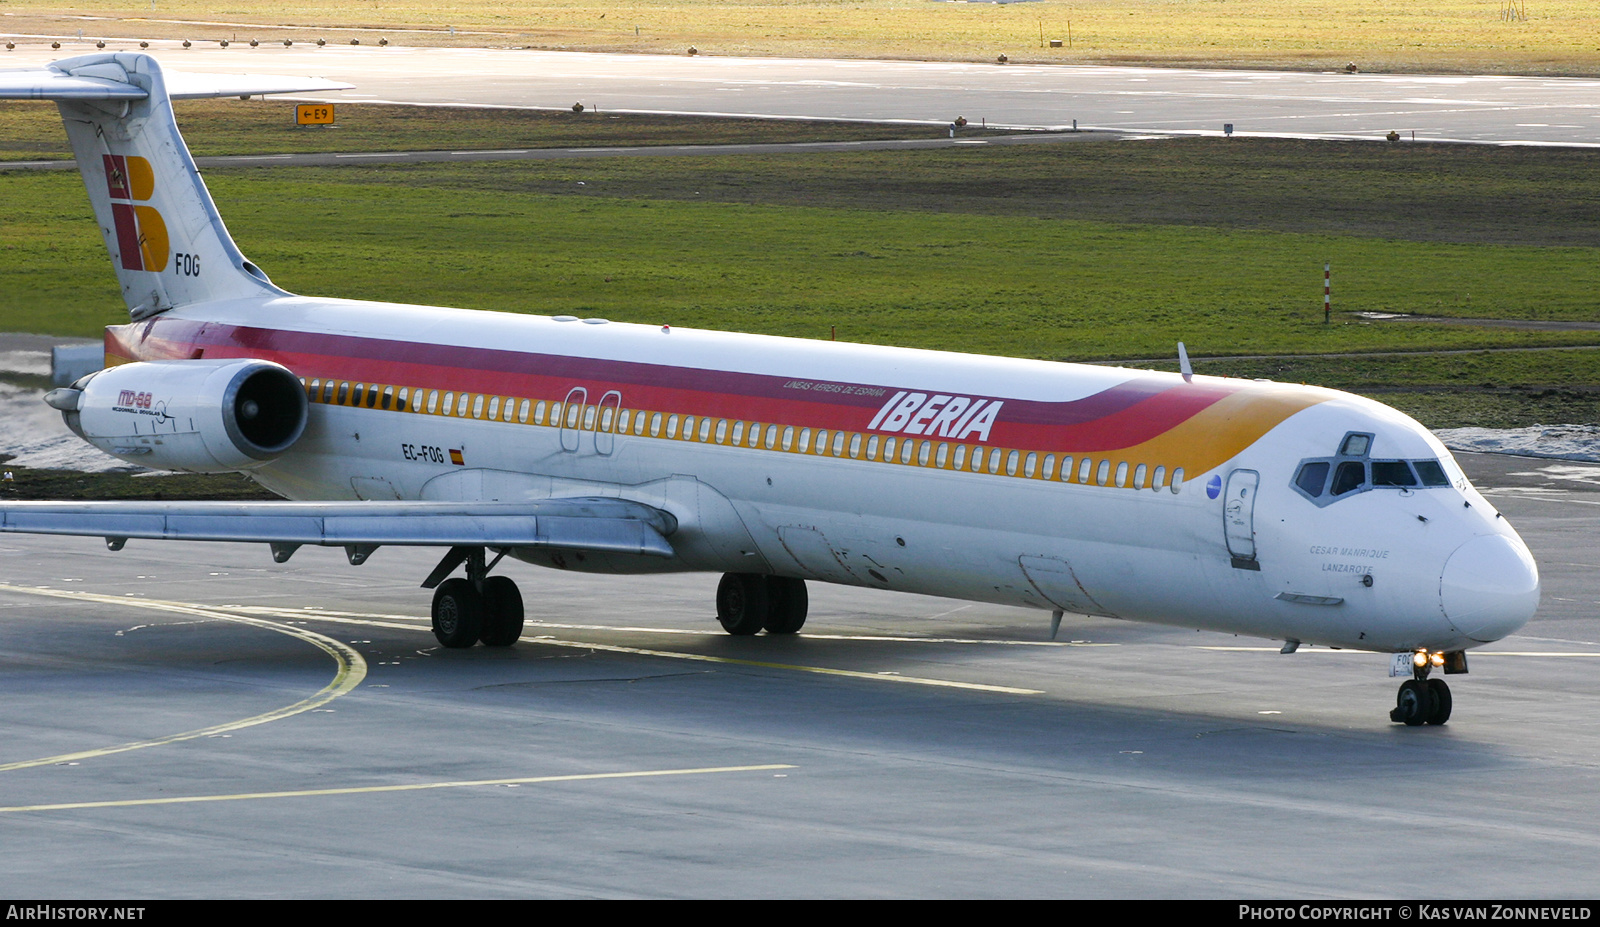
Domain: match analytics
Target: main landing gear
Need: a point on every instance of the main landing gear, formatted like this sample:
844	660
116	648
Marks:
1422	700
749	602
478	608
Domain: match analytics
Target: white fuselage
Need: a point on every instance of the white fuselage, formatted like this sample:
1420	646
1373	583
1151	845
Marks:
1099	490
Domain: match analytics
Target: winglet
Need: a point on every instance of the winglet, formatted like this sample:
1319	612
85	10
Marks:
1183	363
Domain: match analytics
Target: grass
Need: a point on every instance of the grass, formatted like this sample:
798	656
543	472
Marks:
1419	192
1083	251
1559	36
1056	288
32	131
32	484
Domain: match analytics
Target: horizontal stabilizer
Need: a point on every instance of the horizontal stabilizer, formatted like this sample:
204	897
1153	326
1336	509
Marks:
94	77
607	525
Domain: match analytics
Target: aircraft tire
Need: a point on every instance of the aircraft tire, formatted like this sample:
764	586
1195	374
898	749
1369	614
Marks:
502	612
457	613
1442	701
786	605
742	602
1413	704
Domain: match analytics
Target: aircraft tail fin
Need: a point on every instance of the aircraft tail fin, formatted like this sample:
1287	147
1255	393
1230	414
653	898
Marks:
168	244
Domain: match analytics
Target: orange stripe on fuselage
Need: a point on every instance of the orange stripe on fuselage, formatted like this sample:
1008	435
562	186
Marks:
1150	419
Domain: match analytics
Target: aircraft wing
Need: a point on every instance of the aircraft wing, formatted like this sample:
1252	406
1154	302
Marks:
95	78
609	525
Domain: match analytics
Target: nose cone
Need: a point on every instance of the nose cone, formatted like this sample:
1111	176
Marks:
1490	587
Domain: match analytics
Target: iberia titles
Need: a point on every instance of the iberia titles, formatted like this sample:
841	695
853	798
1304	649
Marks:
953	417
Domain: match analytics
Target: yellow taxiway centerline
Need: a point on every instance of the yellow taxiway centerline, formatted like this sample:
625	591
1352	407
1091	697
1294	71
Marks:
352	669
562	626
346	618
373	789
231	613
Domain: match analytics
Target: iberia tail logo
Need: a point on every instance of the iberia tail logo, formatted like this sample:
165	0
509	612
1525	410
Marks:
141	232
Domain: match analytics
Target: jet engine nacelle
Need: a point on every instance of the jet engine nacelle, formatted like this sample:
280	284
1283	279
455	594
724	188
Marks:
205	416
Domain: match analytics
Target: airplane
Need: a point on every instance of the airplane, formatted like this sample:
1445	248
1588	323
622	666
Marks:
1286	512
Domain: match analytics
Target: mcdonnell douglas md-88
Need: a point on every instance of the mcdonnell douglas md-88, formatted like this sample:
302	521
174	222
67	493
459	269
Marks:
1286	512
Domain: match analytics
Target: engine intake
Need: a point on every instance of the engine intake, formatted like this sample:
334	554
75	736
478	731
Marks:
205	416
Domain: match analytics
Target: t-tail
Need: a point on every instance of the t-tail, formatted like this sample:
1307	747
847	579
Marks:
168	244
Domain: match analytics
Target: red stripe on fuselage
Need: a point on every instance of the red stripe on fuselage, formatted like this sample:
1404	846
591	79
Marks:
1122	416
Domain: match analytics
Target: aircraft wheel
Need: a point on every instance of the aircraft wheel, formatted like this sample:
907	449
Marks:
502	612
1413	704
457	613
1441	701
786	605
742	602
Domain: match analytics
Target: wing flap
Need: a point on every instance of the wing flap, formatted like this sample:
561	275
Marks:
608	525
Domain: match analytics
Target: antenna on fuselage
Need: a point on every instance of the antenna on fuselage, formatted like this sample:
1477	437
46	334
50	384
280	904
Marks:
1183	364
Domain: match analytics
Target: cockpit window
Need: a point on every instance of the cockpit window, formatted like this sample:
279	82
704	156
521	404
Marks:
1392	473
1325	480
1312	477
1350	475
1355	445
1432	473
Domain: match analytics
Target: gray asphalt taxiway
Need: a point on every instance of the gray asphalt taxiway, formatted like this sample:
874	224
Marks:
1487	109
188	720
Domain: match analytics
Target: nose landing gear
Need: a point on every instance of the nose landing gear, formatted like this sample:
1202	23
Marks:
1422	700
